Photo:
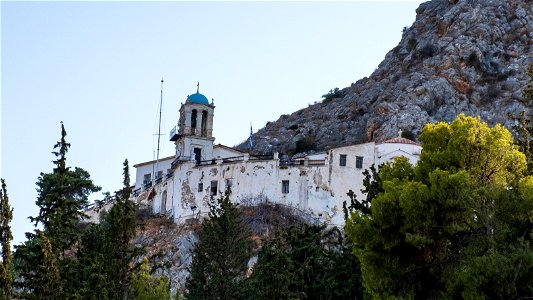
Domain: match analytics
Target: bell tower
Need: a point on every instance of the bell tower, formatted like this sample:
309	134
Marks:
194	134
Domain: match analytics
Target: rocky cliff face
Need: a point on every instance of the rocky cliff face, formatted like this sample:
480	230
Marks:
459	56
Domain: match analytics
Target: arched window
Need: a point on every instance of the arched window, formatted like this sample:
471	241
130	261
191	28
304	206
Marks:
194	116
164	203
204	123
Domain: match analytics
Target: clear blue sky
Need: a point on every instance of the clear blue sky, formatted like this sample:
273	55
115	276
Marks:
97	67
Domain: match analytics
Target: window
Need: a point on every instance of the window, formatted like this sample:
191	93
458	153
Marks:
200	187
147	178
159	174
342	161
228	183
359	162
164	203
198	155
285	186
204	123
214	187
193	120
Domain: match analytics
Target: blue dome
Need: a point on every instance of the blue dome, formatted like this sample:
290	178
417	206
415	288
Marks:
198	98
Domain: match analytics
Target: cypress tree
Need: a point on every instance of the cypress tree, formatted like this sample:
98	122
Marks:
6	273
306	262
48	281
220	258
146	287
120	228
94	283
38	268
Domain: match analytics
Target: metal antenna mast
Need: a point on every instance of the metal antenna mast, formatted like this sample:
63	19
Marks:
159	128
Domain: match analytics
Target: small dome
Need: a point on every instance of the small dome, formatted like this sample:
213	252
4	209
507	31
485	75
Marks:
198	98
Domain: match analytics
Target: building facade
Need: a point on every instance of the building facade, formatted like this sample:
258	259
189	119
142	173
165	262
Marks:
180	186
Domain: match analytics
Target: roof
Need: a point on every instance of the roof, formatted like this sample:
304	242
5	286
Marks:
399	141
153	161
227	147
197	98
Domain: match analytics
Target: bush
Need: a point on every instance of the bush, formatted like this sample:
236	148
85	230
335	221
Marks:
473	60
332	94
305	144
408	134
427	51
411	44
143	213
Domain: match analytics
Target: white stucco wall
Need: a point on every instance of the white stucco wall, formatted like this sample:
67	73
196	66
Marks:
223	152
319	188
148	167
387	151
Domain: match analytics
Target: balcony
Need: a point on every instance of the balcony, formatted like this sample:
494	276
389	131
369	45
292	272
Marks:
174	134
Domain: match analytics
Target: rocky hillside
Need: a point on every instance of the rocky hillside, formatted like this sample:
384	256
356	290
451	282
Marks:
169	246
467	56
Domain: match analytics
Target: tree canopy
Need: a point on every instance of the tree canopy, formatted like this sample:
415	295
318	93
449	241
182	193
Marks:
61	198
455	225
305	262
220	258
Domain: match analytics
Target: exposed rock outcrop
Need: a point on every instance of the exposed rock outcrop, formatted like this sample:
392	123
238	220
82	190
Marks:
459	56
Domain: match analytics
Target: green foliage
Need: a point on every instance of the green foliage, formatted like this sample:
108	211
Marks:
67	260
146	287
48	280
305	144
525	140
457	225
6	272
39	267
221	255
373	185
524	127
119	228
332	94
61	196
408	134
305	262
93	264
488	154
105	250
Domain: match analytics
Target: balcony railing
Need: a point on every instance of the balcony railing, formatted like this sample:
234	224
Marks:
174	134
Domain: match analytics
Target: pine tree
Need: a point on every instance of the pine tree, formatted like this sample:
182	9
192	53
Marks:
220	259
62	195
6	273
456	225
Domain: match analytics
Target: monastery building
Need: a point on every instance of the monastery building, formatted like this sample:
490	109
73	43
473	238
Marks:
181	185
